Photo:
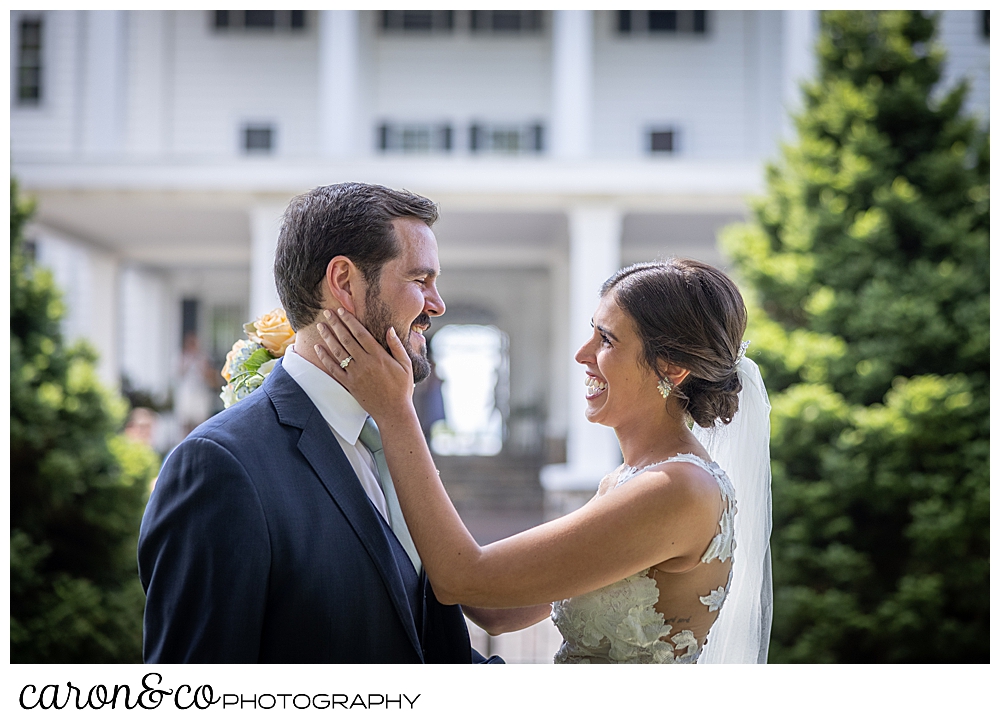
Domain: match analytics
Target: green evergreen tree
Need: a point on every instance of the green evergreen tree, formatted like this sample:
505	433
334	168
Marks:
77	489
869	259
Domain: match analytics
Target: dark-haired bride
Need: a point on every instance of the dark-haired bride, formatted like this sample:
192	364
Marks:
669	562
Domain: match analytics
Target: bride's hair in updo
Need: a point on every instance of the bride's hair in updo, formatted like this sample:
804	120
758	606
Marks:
692	315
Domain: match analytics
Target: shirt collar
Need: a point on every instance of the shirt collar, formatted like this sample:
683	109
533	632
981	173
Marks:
337	406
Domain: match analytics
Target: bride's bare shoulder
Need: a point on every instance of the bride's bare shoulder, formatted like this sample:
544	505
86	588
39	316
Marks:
684	479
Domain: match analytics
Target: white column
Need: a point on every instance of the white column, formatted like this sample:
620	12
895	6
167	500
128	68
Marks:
103	86
572	82
558	400
338	82
265	223
104	330
147	100
595	254
798	60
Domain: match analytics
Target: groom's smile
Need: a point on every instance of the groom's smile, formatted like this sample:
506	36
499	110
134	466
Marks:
406	296
420	325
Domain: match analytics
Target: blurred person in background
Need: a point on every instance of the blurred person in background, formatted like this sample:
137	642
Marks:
141	425
428	399
194	395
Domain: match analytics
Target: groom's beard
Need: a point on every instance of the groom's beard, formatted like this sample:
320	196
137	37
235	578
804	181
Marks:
378	319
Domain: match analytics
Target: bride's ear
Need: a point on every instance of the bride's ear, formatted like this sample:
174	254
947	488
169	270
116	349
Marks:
676	374
342	283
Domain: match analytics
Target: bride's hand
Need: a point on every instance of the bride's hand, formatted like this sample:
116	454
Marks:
381	383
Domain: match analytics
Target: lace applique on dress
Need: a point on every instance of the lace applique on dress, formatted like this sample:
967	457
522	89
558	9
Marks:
716	598
619	623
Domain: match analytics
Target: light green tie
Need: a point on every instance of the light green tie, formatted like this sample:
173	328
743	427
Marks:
372	440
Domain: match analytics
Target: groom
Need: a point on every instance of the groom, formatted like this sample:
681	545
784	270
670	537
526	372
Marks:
271	536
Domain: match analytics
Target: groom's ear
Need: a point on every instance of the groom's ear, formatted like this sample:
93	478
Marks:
343	283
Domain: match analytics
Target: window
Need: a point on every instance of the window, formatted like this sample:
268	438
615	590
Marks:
471	360
506	21
258	20
258	138
506	139
414	138
663	22
29	62
662	141
226	325
418	21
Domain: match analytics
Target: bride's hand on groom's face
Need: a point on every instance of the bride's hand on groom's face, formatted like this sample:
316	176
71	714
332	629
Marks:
380	382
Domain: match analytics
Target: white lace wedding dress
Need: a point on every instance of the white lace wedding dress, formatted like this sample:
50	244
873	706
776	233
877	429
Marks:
633	621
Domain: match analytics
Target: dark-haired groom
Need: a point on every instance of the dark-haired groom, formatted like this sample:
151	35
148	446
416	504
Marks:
271	535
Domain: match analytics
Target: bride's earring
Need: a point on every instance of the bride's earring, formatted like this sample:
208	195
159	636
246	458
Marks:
665	386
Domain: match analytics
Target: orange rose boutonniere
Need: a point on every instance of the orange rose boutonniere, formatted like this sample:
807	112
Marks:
272	331
251	360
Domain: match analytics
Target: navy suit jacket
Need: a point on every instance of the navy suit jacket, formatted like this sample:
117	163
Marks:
259	545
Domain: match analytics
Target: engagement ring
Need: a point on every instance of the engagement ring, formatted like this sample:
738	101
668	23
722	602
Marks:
347	361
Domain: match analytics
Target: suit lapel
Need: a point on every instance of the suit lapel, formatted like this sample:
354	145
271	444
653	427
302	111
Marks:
321	449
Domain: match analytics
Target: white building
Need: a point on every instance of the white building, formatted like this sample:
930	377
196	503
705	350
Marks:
162	146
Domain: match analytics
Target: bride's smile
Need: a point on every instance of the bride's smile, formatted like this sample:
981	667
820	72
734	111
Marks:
617	383
595	386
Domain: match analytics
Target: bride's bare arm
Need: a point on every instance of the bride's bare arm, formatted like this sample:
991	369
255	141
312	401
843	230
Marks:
656	517
496	621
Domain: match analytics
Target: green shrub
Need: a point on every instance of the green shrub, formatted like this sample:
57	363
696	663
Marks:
869	260
77	488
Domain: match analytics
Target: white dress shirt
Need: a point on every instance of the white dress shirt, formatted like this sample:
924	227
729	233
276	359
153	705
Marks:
344	416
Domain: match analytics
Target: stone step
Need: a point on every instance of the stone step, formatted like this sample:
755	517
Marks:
487	482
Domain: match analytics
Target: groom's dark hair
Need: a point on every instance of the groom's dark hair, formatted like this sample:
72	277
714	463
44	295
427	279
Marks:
349	219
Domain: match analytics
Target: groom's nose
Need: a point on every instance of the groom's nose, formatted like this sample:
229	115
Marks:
433	303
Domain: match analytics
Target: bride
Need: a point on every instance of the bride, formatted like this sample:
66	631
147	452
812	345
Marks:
659	567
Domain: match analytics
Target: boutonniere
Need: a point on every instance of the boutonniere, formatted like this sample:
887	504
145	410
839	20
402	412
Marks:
251	360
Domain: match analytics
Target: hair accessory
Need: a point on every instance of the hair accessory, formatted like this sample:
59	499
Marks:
743	350
665	386
346	361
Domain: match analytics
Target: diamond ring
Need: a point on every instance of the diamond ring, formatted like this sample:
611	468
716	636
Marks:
347	361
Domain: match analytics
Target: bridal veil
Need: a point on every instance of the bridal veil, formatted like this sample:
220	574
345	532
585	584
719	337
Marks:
741	448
